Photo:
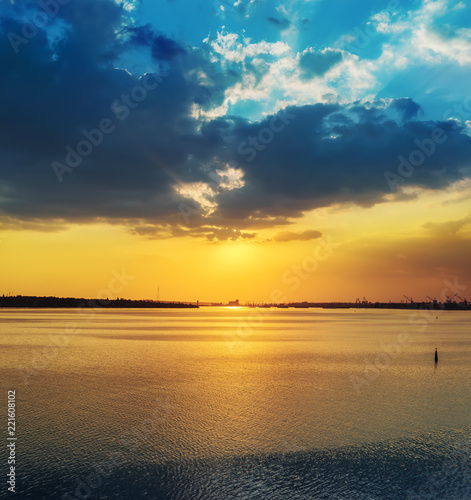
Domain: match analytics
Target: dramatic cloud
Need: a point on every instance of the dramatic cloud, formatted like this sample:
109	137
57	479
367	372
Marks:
448	228
318	63
211	233
292	236
149	150
164	48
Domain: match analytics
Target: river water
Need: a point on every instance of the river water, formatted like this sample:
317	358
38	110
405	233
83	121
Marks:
239	403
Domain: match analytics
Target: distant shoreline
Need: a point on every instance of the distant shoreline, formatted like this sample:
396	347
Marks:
59	302
451	306
21	301
430	306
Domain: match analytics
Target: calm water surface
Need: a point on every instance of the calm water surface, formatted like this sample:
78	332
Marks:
239	403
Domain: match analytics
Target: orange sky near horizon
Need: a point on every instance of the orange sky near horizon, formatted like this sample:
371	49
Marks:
381	253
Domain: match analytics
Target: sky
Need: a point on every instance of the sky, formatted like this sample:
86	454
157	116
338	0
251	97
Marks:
246	149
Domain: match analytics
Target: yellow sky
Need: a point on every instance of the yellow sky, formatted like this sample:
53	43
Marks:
380	252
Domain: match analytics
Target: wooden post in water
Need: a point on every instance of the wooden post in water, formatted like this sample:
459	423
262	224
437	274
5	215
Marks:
436	356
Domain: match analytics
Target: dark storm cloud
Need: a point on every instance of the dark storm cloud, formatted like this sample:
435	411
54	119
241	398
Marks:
331	154
54	92
407	107
282	23
141	35
314	64
165	48
310	234
162	47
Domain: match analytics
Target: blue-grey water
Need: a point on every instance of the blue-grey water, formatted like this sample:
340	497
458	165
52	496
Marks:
236	403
